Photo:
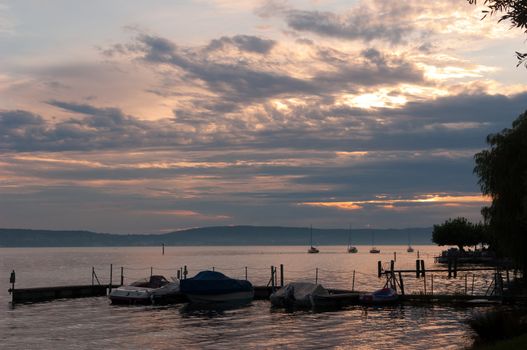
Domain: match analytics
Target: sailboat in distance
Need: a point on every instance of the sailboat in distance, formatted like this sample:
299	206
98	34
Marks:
311	250
351	249
373	249
409	249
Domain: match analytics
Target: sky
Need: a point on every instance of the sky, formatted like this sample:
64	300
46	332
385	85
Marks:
153	116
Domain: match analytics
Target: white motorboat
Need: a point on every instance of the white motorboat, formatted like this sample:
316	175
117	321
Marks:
351	249
144	291
297	294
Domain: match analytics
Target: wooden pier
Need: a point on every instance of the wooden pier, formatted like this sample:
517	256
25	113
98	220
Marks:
32	295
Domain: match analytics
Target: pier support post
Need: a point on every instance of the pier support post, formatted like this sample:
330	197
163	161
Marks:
111	275
178	275
394	256
151	271
12	280
417	269
122	276
353	282
401	284
281	275
432	284
185	272
272	278
316	276
163	249
246	273
379	269
423	268
92	275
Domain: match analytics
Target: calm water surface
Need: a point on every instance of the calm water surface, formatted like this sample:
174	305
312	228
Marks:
93	323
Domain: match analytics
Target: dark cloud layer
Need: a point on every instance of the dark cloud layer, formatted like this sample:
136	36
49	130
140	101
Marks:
247	43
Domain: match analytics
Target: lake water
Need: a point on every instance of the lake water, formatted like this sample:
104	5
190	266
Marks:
92	323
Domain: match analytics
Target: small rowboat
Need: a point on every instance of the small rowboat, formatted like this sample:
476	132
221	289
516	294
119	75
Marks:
381	296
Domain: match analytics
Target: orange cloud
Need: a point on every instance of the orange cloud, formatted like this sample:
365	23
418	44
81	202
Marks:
442	200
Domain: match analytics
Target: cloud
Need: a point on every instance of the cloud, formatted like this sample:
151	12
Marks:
246	43
368	20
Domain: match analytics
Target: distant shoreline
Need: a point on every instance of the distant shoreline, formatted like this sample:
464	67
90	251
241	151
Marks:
218	236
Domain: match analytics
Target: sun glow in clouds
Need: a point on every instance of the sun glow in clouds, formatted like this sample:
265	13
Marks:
442	200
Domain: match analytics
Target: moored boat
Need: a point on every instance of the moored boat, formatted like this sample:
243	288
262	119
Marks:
381	296
297	294
144	290
215	287
351	249
312	249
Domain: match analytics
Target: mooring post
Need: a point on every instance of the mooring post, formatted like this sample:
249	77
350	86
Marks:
423	268
432	284
281	275
246	273
12	280
92	275
316	276
401	284
185	272
394	256
272	278
392	266
178	274
213	268
353	282
417	269
111	274
379	269
151	271
417	254
163	249
122	276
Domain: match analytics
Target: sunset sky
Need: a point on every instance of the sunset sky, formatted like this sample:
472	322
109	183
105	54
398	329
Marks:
151	116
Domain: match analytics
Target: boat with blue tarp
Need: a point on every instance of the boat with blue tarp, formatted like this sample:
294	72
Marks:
215	287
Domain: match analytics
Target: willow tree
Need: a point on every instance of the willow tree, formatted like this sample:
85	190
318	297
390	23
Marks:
502	172
512	11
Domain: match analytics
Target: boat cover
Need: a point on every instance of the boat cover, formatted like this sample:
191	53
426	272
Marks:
297	293
212	282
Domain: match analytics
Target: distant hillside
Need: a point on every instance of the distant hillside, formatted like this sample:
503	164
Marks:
221	235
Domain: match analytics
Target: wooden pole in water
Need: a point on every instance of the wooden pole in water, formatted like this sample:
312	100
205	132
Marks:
122	275
272	277
353	282
163	249
246	273
92	275
111	274
281	275
423	268
316	276
379	269
213	268
417	269
394	256
178	274
151	271
401	284
185	272
455	268
417	254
